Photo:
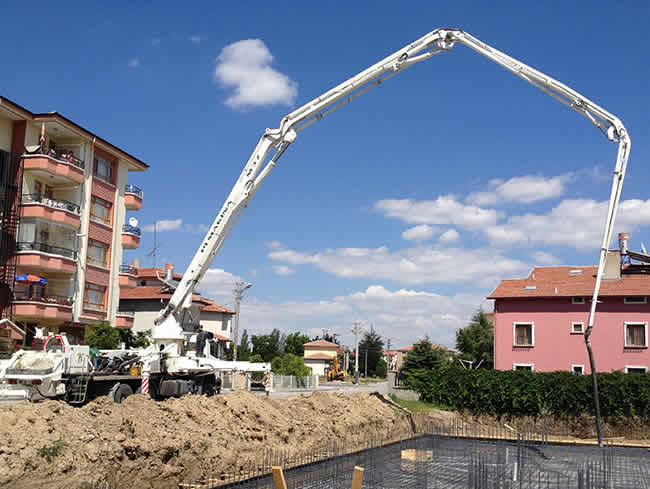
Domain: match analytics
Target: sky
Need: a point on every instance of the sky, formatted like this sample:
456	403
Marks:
402	210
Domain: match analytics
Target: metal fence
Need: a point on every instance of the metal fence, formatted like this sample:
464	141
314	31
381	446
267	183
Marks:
442	456
293	382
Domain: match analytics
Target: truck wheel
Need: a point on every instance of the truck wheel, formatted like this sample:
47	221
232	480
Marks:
121	392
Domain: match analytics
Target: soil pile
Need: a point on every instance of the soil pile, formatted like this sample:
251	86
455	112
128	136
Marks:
141	443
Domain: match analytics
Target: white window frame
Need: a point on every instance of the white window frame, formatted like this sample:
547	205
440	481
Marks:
532	333
581	323
635	366
574	365
578	300
627	300
635	323
531	365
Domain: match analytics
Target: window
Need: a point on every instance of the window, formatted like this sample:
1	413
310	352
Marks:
636	335
100	210
103	169
577	328
97	253
635	300
523	334
577	300
94	297
38	189
523	366
578	369
633	369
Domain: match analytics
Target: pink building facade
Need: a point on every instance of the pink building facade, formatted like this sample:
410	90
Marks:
539	322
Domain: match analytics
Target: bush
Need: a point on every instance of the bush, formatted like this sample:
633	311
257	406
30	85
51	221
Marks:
50	452
103	336
381	369
289	364
524	393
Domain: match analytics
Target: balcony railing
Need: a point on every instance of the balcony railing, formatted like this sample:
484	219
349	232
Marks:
128	314
46	248
62	155
53	203
131	229
130	269
133	189
60	300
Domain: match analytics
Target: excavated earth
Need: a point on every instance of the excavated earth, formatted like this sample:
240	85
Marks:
142	443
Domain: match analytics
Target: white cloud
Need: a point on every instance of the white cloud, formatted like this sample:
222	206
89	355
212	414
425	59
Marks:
524	189
444	210
245	67
165	225
449	236
134	63
421	232
544	258
197	39
283	270
418	265
155	42
577	222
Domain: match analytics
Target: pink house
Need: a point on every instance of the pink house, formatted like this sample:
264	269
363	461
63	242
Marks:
539	320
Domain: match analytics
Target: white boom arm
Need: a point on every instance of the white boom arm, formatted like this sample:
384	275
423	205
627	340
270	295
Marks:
435	42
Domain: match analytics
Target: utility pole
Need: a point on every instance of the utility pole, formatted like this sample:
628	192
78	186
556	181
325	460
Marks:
388	355
356	330
365	369
240	287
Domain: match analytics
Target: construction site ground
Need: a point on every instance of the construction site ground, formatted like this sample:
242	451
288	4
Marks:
142	443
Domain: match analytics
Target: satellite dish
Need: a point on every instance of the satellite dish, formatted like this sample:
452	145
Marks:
133	222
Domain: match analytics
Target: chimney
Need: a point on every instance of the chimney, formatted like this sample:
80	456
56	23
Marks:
623	239
169	273
136	262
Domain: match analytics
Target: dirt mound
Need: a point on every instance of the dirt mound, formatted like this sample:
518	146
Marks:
141	442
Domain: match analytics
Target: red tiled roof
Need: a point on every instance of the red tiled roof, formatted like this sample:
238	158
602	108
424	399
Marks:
155	273
222	338
320	344
216	308
155	292
557	282
319	356
407	349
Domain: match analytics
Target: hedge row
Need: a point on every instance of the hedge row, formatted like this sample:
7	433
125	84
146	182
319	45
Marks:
523	393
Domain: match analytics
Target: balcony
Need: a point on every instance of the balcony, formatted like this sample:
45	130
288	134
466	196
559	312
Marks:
124	319
45	257
128	276
51	307
57	167
133	197
55	210
130	237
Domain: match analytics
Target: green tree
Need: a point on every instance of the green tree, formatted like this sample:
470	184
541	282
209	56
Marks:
103	336
420	361
256	358
476	340
243	350
371	345
289	364
382	369
295	343
270	345
329	337
141	339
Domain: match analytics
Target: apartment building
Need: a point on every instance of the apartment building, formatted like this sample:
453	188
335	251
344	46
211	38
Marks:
69	198
539	320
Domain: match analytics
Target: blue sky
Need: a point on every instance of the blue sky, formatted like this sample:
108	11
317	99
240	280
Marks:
403	209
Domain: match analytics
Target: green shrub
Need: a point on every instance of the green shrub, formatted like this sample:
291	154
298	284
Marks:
289	364
525	393
50	452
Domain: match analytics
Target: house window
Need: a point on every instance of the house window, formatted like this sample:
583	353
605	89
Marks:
577	300
103	169
97	253
94	297
636	335
633	369
523	366
577	328
635	300
523	334
100	210
578	369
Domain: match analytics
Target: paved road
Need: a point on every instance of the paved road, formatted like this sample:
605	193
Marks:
381	387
